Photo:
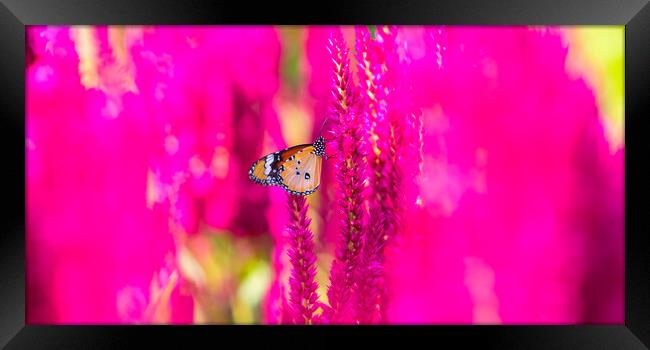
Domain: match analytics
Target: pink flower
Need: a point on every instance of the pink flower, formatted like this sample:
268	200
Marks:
350	176
517	178
303	295
91	232
383	121
318	85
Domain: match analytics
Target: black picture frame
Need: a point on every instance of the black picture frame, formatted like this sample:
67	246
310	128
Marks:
634	14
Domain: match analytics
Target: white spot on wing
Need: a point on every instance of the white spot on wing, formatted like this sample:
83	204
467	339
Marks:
267	164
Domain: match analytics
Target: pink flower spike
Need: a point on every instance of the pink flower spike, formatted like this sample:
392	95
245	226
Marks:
303	296
350	178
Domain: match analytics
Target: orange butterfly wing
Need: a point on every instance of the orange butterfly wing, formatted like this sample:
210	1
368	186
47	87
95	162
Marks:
297	169
301	172
266	170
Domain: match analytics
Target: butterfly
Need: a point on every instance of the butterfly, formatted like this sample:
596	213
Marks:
296	169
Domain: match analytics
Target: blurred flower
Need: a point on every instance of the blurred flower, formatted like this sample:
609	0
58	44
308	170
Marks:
133	308
508	163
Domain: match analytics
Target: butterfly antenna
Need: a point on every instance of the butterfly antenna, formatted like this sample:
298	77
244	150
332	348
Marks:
323	126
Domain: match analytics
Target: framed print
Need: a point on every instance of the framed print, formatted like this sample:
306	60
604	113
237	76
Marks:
459	172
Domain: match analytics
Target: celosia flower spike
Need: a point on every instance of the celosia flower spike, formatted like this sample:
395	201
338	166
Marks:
350	178
379	78
303	296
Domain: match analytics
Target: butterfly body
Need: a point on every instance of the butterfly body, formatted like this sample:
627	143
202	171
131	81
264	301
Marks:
296	169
